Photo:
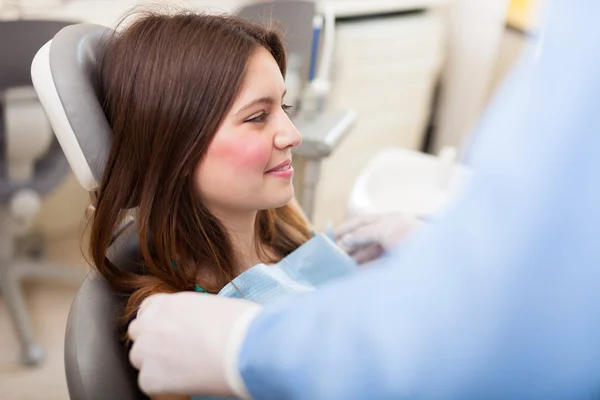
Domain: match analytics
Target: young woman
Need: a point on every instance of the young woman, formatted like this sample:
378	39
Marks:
201	152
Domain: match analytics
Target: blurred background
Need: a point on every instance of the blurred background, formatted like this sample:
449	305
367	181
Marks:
399	86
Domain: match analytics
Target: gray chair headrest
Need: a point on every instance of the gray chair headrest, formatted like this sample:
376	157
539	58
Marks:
62	74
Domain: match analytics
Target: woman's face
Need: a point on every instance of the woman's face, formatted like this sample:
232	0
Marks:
247	166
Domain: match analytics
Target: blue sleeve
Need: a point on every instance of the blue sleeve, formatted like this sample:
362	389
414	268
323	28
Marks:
500	297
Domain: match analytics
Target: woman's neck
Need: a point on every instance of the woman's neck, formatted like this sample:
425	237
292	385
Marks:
242	233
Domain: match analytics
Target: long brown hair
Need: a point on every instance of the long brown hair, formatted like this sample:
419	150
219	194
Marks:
166	82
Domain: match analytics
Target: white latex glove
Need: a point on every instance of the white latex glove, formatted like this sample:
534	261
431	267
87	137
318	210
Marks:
365	238
188	344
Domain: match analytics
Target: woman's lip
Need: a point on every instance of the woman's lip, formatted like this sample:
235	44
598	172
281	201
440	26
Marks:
283	164
286	173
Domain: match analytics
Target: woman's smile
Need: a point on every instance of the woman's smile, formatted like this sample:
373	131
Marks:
282	170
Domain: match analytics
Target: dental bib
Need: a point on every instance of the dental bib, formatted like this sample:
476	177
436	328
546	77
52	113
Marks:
316	262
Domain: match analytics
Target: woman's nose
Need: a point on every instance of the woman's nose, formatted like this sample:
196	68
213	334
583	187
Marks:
287	136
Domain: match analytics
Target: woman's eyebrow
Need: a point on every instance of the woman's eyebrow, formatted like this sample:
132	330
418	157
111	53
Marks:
262	100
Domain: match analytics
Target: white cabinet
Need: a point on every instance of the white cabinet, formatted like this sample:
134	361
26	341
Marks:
386	69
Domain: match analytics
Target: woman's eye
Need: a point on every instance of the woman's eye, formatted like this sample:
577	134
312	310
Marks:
259	119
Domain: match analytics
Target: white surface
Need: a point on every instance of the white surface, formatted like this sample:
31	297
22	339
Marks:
357	8
408	181
46	90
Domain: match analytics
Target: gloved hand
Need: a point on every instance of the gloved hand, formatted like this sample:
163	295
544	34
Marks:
365	238
188	343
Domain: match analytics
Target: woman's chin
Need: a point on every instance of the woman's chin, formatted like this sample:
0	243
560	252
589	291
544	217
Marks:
281	198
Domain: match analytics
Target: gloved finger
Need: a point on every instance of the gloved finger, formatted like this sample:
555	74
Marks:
133	330
366	254
136	353
353	224
356	241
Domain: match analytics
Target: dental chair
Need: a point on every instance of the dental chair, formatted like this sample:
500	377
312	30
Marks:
32	164
310	40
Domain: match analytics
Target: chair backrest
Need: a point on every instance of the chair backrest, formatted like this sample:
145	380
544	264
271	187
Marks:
96	362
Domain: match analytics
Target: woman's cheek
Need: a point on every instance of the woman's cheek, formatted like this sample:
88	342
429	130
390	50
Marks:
242	154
